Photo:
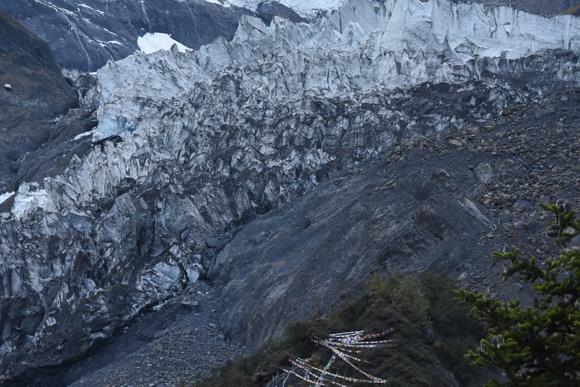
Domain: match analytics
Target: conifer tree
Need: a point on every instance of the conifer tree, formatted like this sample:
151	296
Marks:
537	345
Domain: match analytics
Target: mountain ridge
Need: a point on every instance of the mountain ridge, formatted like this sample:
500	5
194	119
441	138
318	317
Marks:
85	36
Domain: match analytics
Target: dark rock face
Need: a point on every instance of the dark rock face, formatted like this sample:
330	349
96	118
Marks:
573	11
269	9
85	36
541	7
38	95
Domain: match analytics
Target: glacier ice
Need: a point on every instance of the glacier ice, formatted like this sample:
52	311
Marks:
364	46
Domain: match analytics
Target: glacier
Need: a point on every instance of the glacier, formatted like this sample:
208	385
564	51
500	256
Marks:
190	145
364	46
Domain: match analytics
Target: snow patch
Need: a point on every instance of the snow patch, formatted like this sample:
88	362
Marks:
5	196
306	7
88	7
157	41
83	135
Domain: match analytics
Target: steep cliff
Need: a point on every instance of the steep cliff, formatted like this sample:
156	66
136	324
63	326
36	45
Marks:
33	95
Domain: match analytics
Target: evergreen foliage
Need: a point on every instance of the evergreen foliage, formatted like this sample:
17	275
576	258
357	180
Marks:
537	345
430	334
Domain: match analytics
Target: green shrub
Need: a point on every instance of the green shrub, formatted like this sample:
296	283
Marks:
430	331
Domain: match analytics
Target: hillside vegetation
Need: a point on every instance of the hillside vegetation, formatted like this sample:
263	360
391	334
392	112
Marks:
430	334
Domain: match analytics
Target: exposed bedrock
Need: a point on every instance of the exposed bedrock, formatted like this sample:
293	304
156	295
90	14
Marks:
38	107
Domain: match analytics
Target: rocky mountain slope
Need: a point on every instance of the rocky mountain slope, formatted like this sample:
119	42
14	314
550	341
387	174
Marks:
543	7
34	96
86	35
441	205
446	203
191	147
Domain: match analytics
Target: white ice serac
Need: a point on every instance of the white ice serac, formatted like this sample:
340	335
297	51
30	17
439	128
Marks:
157	41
